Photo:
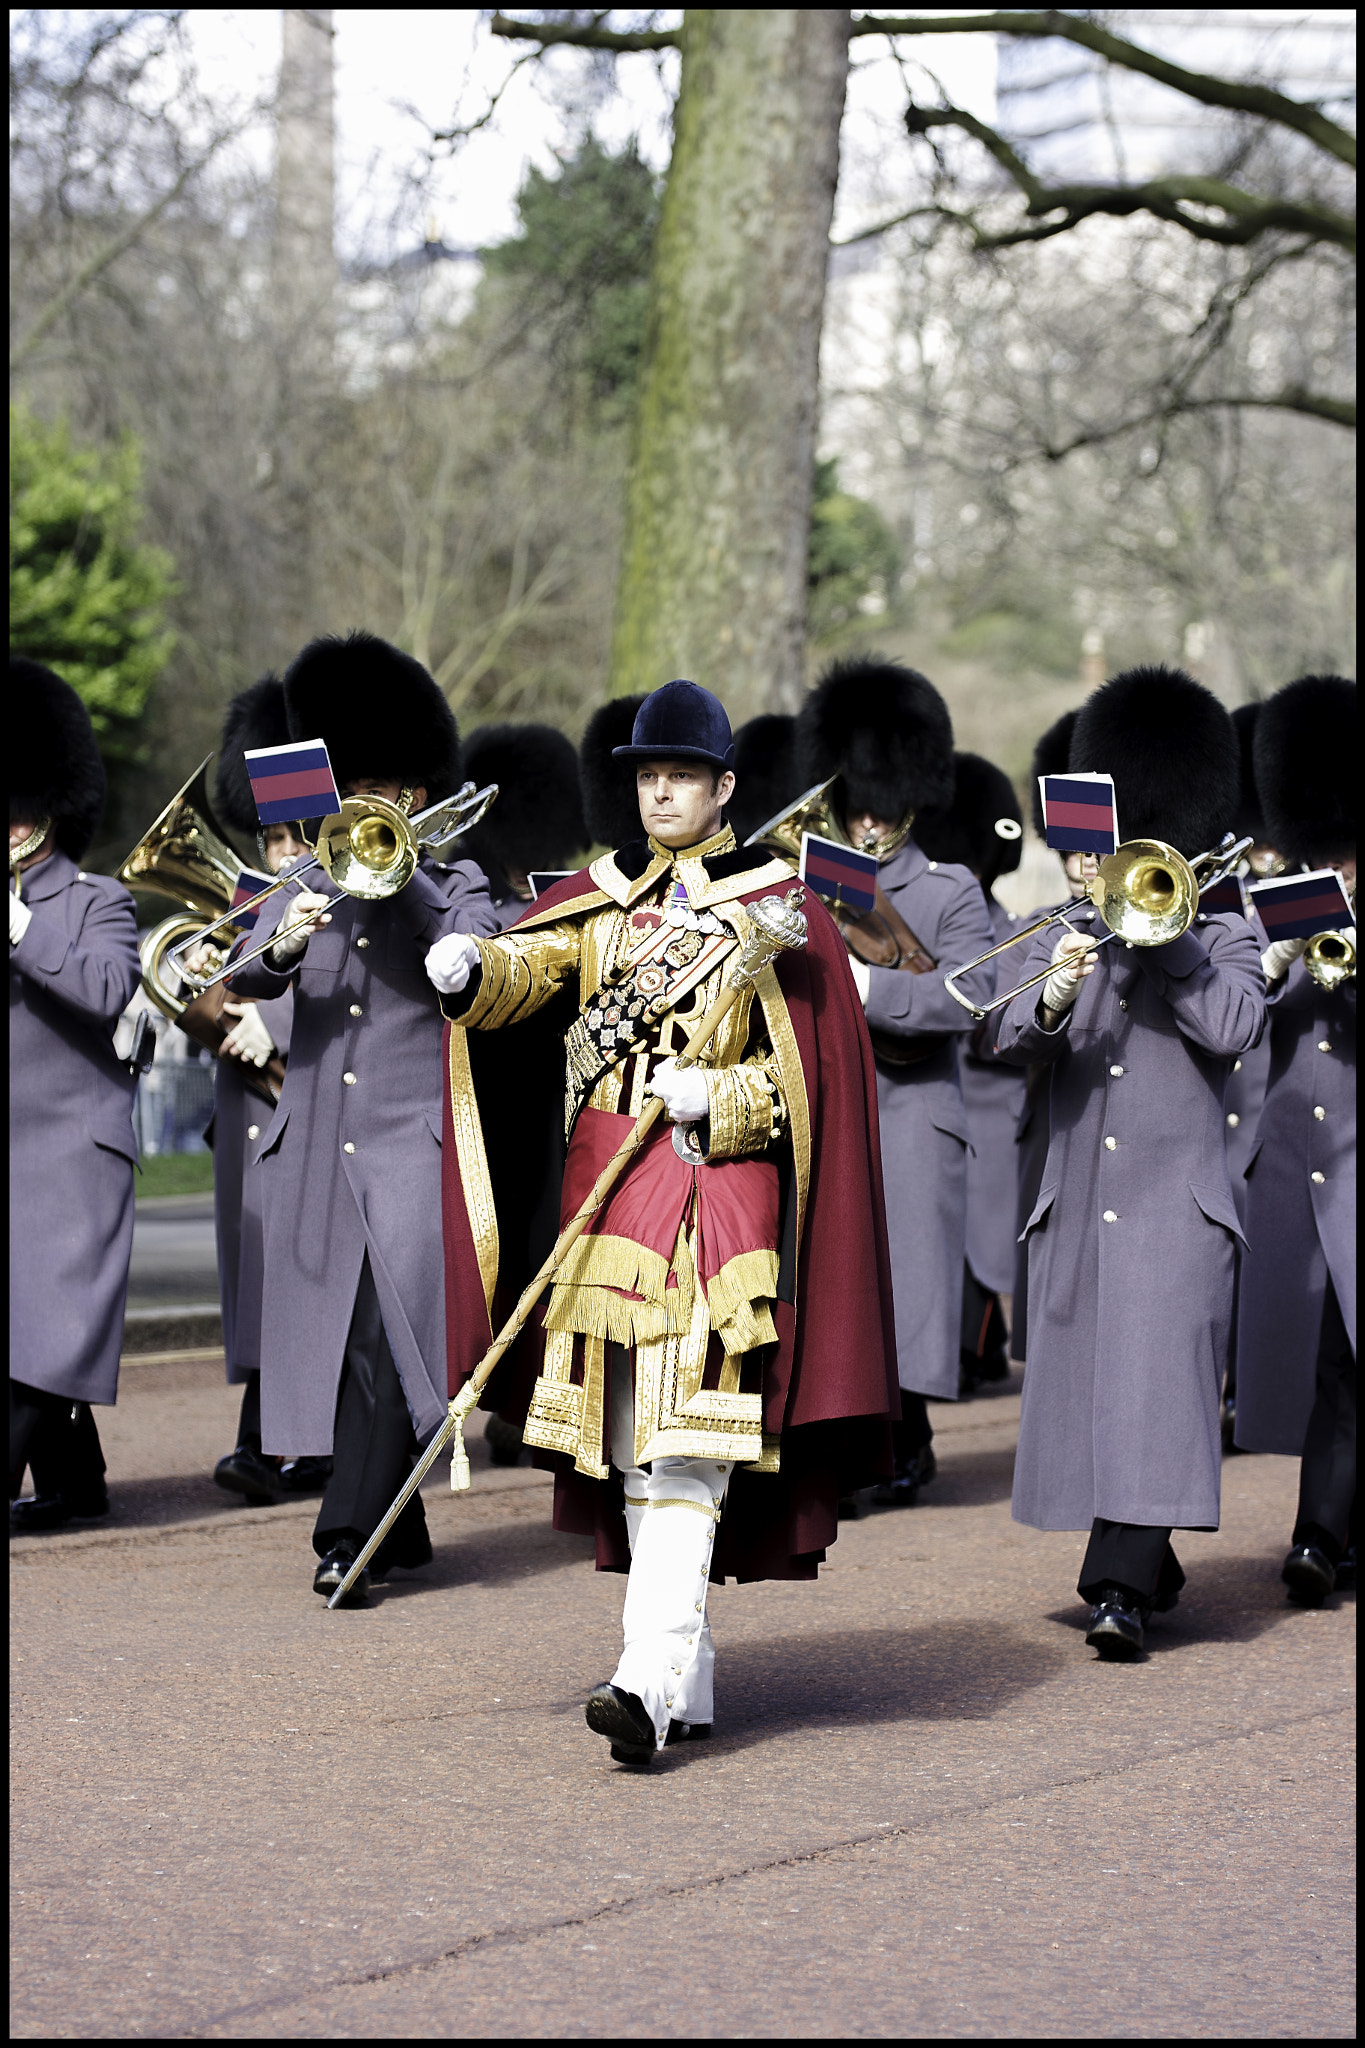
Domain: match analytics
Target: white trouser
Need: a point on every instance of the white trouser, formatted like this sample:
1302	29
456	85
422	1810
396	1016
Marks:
672	1512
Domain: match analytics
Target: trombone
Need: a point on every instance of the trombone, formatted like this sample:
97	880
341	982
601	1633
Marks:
368	848
1146	893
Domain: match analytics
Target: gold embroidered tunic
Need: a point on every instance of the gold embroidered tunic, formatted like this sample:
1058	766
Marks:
649	958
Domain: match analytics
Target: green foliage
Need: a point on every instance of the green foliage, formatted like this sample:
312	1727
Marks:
175	1173
582	260
85	596
853	560
1037	638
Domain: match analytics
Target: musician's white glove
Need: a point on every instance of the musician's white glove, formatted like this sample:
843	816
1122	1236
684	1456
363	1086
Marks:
306	912
862	976
19	918
1063	985
1280	956
451	961
249	1038
203	959
682	1090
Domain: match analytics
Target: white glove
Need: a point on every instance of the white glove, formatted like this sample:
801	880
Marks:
862	976
20	917
306	912
1063	985
249	1038
682	1090
1280	956
451	961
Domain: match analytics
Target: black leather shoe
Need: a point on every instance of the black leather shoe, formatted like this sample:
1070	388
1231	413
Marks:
43	1511
333	1570
304	1475
245	1472
1115	1628
687	1731
1346	1571
900	1492
503	1440
1309	1575
621	1717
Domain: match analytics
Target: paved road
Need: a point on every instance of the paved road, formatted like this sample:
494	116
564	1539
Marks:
174	1260
927	1811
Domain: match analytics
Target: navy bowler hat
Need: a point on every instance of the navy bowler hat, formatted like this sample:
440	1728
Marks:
680	722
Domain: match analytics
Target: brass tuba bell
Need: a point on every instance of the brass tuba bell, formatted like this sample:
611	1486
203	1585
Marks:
184	856
1330	958
813	812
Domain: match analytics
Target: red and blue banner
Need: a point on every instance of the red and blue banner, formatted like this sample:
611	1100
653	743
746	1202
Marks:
1226	898
1079	813
292	782
1300	906
837	874
249	884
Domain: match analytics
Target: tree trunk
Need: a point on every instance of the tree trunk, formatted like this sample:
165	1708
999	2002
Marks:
713	575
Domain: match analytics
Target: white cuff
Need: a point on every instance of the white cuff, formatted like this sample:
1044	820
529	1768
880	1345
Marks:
20	917
862	975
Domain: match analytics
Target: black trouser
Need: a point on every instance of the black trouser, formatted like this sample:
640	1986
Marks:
983	1321
249	1421
56	1439
1129	1555
913	1433
373	1446
1327	1479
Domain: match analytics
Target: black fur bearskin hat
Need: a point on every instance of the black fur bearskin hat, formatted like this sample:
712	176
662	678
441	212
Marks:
1051	756
536	819
379	711
611	808
1303	748
55	768
983	827
1172	751
255	718
765	772
884	731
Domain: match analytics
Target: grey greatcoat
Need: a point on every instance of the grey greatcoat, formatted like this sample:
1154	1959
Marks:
923	1120
71	1145
993	1093
1242	1114
1031	1141
1300	1211
1131	1238
239	1116
351	1159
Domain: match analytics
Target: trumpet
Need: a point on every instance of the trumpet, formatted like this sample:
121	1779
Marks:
1330	958
1146	893
369	848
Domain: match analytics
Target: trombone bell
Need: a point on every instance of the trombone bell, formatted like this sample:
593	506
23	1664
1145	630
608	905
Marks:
1146	892
1330	958
368	847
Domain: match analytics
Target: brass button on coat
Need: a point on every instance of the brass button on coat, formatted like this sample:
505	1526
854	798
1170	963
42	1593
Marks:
1317	1179
1116	1071
1111	1144
356	1010
348	1147
348	1080
1233	1119
1318	1111
1111	1216
1237	1066
1323	1045
362	944
253	1130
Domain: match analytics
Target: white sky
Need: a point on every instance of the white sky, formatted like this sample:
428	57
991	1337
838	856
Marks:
398	67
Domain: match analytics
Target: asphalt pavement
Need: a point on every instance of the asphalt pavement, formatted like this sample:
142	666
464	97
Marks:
927	1810
175	1261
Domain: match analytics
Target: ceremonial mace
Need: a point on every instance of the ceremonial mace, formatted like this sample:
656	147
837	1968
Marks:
776	925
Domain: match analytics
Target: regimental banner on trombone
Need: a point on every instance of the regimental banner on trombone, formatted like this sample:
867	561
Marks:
1079	813
1226	898
1300	906
838	874
249	883
291	782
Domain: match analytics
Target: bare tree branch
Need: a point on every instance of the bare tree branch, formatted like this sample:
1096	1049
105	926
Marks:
1237	96
585	35
1341	412
1168	198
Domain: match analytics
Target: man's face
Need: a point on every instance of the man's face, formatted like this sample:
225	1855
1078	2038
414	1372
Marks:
281	844
681	801
377	785
866	830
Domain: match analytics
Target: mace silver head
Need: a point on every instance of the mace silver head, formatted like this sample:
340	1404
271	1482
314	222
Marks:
777	925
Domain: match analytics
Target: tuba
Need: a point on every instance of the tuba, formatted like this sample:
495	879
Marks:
813	812
1330	958
183	856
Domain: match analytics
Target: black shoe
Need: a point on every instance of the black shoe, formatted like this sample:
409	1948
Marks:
687	1731
1228	1425
246	1472
54	1510
1115	1627
1309	1575
304	1475
503	1440
900	1492
926	1465
621	1717
1346	1571
850	1507
333	1570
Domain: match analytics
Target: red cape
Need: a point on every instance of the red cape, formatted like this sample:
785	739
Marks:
831	1387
